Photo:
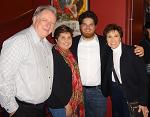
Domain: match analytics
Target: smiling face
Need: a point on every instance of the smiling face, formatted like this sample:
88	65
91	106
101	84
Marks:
44	23
113	38
64	41
88	28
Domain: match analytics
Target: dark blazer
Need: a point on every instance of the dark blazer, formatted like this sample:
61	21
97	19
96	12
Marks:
133	75
62	82
103	49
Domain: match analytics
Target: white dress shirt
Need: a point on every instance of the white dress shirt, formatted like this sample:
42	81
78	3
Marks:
26	69
89	61
116	59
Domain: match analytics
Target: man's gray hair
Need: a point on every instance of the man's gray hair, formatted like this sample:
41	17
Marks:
44	7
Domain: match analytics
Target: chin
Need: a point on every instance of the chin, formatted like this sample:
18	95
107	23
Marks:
114	47
88	36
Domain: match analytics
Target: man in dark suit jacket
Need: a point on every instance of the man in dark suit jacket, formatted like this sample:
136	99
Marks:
129	72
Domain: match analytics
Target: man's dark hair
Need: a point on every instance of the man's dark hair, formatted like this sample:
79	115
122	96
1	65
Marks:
88	14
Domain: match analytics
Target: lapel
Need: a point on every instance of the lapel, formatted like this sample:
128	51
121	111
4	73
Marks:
123	58
74	47
102	46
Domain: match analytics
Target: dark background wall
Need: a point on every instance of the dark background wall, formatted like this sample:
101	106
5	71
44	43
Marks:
16	15
127	13
109	11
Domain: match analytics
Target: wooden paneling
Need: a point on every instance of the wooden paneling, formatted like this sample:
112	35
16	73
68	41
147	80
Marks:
16	15
135	21
138	21
127	13
14	25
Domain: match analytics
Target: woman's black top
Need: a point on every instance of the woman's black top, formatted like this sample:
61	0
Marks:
62	82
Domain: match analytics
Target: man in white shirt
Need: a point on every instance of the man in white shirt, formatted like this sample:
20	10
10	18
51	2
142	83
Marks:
26	67
88	48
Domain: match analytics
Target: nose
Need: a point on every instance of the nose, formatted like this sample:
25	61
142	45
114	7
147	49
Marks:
88	26
49	24
66	40
112	40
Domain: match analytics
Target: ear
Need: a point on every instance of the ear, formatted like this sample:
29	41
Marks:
34	19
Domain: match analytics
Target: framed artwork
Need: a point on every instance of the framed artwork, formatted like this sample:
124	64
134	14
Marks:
68	12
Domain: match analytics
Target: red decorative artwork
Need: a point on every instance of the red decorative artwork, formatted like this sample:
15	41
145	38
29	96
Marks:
68	12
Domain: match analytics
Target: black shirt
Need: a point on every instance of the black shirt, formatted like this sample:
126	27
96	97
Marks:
62	82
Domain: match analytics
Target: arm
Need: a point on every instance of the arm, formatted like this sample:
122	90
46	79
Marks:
143	85
142	78
9	64
139	50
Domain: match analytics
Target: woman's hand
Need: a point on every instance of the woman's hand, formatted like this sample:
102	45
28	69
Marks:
139	50
144	110
69	110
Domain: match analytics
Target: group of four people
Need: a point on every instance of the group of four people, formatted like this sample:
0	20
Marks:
72	75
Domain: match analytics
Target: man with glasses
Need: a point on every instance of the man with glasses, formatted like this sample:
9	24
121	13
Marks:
26	67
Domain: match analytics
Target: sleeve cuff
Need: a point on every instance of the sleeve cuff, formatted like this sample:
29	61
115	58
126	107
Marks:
12	107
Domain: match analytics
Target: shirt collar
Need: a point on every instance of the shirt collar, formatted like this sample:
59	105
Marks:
95	39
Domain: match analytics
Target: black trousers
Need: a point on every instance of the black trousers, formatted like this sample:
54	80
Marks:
29	110
119	103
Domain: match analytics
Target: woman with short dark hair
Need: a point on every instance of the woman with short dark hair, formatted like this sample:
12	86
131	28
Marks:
125	76
66	95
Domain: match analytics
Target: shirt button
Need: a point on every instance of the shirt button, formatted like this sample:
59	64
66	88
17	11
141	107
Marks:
49	77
